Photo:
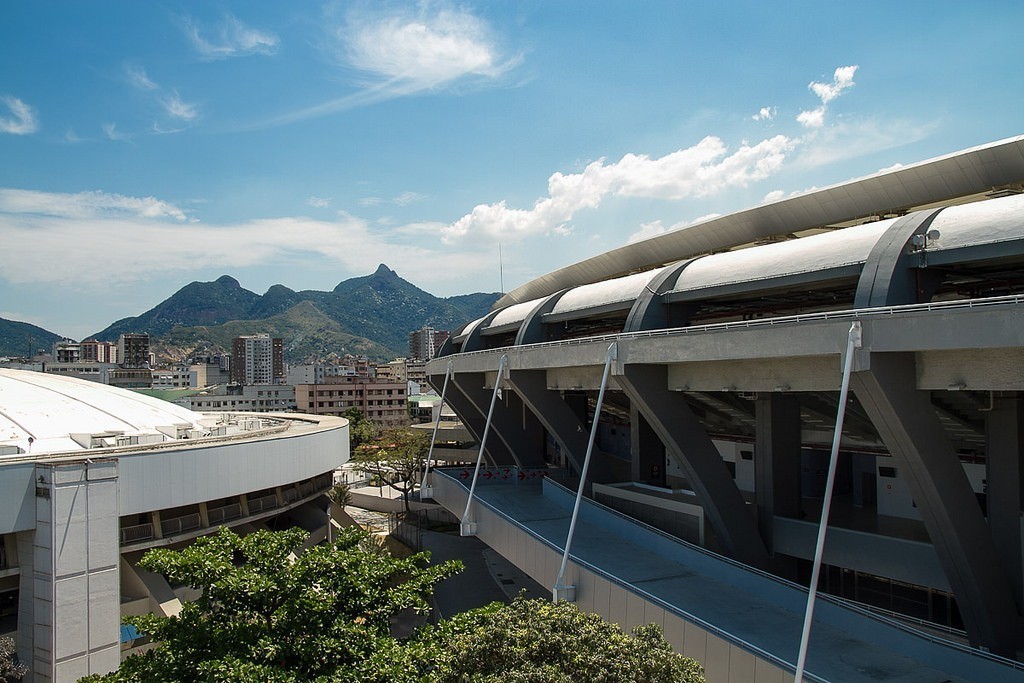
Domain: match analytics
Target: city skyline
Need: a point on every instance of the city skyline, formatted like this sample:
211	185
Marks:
149	146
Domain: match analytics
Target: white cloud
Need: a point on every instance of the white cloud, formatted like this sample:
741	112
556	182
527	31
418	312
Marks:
85	205
698	171
233	39
112	133
765	114
22	120
773	196
319	202
647	230
842	79
178	109
425	50
850	139
407	198
138	78
370	201
147	238
407	52
812	118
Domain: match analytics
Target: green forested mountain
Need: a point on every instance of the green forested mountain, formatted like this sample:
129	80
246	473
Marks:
22	339
371	315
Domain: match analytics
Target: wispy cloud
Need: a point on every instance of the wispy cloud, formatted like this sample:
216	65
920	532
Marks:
112	133
87	205
150	237
407	52
697	171
656	228
319	202
176	108
842	80
231	38
765	114
137	77
22	120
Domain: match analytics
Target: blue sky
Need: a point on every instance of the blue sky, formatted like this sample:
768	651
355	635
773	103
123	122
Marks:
146	145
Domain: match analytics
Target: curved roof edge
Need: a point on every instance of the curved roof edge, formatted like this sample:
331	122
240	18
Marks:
934	181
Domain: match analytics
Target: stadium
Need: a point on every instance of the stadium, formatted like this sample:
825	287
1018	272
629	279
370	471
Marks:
709	363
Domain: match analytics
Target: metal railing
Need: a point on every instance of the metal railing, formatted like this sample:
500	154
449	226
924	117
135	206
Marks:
177	525
822	316
224	513
134	534
257	505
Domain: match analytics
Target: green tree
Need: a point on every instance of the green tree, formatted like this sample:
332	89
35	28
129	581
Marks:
360	429
395	458
265	615
536	641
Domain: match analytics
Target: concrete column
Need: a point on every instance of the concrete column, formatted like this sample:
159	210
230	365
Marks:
647	450
776	461
521	439
1005	482
76	592
557	415
915	438
684	437
495	451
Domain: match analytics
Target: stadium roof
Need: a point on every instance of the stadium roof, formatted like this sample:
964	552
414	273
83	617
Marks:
965	176
42	413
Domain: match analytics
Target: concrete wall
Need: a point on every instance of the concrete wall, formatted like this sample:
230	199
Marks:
723	661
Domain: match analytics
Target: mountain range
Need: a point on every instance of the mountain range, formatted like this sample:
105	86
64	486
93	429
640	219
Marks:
370	315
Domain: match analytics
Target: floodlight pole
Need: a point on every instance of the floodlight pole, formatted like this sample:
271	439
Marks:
854	342
561	592
426	490
468	528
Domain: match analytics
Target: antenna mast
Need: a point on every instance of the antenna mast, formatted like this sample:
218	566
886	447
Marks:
501	270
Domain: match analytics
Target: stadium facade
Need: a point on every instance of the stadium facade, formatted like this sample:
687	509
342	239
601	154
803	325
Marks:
92	476
726	344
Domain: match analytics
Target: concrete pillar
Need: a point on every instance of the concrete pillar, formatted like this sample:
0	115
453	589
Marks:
475	420
76	587
647	450
915	438
685	439
1005	483
559	417
776	461
522	440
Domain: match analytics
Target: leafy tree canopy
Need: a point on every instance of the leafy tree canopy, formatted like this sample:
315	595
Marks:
325	616
266	615
537	641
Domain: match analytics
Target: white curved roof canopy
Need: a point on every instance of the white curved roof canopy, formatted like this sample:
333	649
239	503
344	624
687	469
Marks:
997	220
818	254
942	180
602	294
513	315
49	409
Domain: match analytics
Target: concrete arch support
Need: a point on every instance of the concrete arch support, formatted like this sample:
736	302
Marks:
553	412
522	438
888	278
916	440
685	439
474	419
648	312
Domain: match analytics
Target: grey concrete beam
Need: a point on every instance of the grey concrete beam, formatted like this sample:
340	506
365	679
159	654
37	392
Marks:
914	437
508	422
1005	486
776	461
888	277
554	413
495	451
685	439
